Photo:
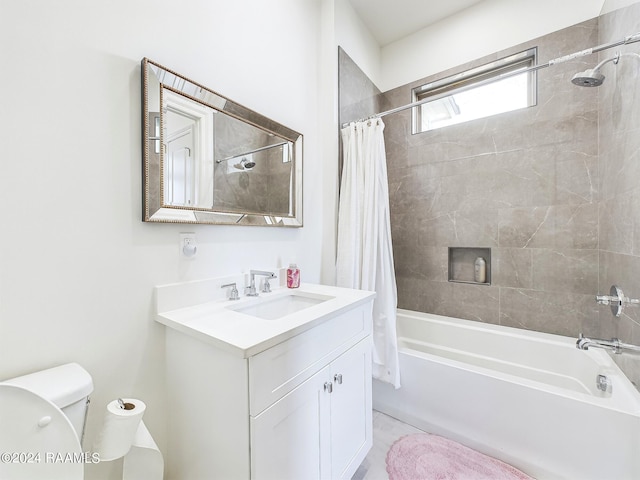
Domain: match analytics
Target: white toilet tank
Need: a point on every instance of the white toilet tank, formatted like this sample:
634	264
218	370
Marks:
67	386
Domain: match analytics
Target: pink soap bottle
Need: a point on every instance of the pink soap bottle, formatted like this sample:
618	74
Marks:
293	276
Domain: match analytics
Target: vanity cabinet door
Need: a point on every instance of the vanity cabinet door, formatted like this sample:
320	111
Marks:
351	410
291	438
322	428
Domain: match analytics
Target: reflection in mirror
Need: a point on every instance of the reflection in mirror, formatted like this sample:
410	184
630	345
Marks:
188	158
210	160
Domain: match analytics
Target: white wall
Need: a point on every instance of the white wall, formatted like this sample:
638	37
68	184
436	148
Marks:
355	38
328	127
611	5
480	30
77	265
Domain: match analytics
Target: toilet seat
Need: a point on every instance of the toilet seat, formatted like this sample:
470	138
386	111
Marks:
37	440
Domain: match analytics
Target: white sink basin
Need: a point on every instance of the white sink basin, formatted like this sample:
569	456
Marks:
250	325
278	307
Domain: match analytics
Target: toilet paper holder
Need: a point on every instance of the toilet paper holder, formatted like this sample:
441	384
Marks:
125	406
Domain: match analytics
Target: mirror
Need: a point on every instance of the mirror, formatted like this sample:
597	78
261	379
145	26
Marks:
210	160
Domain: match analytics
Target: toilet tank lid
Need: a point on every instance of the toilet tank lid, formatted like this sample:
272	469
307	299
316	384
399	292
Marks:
62	385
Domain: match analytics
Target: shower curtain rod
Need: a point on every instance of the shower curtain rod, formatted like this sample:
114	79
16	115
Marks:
252	151
605	46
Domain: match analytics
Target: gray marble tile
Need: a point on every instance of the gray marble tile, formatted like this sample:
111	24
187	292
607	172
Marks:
460	228
415	294
619	162
559	313
425	263
617	224
573	226
577	180
567	270
513	267
432	297
358	96
474	302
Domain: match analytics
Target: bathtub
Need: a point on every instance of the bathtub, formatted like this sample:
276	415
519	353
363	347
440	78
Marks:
527	398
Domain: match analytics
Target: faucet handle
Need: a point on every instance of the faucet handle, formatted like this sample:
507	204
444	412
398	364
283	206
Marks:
266	287
250	291
233	294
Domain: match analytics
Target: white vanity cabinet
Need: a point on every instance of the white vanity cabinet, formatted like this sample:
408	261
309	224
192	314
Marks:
297	410
321	429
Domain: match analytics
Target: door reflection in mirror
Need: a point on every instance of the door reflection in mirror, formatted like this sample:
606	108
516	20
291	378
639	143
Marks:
208	159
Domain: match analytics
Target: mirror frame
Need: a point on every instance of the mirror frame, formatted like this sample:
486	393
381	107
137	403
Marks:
153	209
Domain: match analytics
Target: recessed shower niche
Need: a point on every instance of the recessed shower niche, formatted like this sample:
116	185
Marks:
470	265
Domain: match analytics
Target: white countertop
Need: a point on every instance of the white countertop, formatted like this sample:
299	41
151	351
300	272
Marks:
245	335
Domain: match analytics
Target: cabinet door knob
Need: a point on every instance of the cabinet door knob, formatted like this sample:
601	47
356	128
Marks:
338	378
328	387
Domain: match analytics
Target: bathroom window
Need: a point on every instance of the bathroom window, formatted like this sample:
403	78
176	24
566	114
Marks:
476	93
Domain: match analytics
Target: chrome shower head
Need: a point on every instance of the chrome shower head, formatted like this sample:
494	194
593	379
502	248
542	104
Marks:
245	164
588	78
592	77
248	164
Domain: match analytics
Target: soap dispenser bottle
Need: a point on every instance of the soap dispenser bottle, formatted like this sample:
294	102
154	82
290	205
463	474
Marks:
293	276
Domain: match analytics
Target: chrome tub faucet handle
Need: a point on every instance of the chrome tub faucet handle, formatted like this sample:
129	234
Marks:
616	300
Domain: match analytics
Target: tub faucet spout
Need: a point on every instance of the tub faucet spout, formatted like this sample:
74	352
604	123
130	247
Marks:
583	343
615	345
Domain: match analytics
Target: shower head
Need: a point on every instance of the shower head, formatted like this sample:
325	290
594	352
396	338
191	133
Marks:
592	77
248	164
245	164
588	78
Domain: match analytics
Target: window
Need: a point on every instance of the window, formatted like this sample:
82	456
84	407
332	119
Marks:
476	93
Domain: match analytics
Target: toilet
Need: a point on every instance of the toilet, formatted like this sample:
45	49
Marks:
42	419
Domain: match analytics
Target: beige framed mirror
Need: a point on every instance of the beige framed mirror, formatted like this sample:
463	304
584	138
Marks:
209	160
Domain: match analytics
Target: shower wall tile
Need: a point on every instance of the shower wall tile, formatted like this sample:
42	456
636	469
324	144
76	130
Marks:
525	183
471	302
568	270
411	292
358	96
564	226
620	161
426	263
512	267
551	312
412	187
577	177
460	228
403	230
618	219
474	302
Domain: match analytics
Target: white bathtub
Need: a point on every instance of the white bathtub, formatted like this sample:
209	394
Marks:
527	398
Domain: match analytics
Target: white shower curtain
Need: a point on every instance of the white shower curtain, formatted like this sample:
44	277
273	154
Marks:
365	254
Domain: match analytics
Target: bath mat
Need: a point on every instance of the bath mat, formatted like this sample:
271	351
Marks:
422	456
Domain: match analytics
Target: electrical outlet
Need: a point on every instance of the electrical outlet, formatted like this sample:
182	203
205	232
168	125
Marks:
188	247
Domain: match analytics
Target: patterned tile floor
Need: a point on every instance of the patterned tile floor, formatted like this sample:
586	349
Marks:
386	430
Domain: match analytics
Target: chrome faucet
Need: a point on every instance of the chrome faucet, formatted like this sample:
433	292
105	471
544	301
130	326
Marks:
266	288
615	345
